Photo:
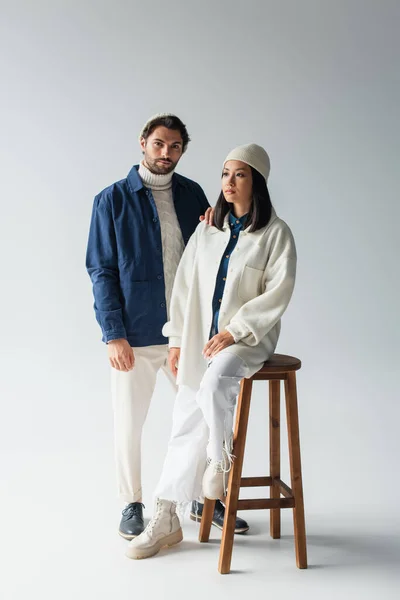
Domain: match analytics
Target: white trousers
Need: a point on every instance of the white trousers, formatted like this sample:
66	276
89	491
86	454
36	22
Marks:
202	420
131	396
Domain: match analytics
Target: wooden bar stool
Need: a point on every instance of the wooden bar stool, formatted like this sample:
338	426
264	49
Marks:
279	367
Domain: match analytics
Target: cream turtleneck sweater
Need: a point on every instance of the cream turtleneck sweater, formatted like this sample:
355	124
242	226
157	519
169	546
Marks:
171	235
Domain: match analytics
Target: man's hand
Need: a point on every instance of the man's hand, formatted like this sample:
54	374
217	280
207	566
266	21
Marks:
217	343
209	216
173	359
120	355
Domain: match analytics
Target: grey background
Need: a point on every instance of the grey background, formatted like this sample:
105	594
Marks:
315	83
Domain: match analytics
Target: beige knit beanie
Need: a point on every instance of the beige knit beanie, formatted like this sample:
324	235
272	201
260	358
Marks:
252	155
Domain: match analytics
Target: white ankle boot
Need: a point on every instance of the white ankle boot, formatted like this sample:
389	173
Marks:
164	529
215	478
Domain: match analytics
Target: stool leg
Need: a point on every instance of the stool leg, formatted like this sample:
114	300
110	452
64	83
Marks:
295	470
235	475
206	520
275	454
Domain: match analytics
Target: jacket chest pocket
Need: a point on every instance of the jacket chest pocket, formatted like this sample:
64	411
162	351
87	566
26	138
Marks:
250	283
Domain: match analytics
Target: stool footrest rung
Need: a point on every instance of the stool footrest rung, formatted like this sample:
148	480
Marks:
267	503
284	489
255	481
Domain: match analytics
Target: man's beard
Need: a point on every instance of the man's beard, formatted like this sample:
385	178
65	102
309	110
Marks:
157	167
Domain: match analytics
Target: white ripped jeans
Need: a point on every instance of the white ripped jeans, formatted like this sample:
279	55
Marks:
202	420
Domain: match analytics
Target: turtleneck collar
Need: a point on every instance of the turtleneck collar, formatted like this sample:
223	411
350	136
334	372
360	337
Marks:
156	182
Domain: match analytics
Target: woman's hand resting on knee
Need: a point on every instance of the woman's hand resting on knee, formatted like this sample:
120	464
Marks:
173	359
217	343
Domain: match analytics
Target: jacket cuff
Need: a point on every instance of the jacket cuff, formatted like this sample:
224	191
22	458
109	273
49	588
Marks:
114	335
174	342
236	332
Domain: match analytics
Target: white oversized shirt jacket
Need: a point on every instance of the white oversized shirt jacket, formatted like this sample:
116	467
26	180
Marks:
259	285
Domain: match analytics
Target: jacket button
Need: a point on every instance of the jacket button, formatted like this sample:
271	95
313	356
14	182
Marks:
162	304
155	220
159	276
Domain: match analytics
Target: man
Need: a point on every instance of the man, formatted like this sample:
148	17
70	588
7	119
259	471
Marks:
139	228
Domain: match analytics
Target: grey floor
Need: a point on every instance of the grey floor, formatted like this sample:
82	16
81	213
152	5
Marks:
58	540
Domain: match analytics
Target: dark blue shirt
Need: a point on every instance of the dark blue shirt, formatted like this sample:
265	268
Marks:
236	226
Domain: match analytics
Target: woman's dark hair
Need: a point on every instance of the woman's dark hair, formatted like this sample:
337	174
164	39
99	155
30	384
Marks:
260	210
170	122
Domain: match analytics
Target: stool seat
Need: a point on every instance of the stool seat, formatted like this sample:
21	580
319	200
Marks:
280	363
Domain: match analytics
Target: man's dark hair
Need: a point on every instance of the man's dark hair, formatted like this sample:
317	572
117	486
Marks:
260	210
170	122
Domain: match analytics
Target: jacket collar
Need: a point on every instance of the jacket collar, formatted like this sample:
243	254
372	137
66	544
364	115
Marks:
135	183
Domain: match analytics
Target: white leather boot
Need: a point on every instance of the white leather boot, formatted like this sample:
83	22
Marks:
215	478
164	529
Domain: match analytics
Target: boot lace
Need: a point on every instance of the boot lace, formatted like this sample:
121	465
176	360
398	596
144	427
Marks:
153	521
224	466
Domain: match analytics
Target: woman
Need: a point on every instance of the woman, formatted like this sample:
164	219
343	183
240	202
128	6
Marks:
233	284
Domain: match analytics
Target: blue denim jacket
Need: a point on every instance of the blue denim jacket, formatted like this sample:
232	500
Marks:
124	256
